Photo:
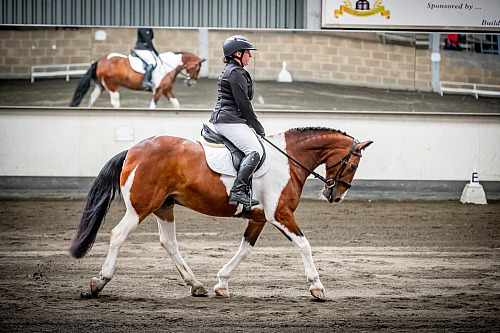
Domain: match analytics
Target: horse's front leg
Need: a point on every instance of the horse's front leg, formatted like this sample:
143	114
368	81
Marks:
288	226
250	236
170	95
156	97
168	240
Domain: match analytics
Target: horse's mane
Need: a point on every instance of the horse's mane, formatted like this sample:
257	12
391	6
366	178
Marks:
319	129
183	52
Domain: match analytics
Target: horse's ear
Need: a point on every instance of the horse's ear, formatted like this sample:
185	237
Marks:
202	60
362	145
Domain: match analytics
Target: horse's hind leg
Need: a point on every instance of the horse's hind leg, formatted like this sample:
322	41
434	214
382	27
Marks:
114	96
95	94
250	236
168	240
118	236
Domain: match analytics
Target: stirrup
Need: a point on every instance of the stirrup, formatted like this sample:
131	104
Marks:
245	204
235	201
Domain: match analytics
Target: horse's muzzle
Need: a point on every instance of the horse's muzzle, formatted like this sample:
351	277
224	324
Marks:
328	193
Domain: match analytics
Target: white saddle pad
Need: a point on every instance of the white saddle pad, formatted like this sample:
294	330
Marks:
221	161
136	63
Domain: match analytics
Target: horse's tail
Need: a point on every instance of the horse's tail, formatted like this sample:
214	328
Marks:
84	85
101	193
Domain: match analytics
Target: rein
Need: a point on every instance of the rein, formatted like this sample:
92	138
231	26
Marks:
179	72
330	182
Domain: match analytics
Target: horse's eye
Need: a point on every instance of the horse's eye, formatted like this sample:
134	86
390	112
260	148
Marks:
354	167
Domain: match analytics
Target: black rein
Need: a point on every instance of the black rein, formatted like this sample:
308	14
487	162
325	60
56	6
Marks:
330	182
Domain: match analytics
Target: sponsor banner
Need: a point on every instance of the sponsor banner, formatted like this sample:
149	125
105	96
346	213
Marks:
416	14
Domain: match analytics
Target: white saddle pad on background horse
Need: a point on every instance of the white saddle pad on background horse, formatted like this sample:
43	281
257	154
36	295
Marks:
136	63
220	160
160	70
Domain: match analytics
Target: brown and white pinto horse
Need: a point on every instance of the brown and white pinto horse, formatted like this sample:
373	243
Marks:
115	70
162	171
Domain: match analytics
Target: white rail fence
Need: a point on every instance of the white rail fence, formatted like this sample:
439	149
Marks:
59	70
475	89
69	142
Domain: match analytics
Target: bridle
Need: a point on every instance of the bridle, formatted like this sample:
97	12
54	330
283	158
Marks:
179	71
329	182
195	68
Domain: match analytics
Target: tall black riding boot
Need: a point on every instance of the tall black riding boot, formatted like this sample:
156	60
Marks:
240	193
147	82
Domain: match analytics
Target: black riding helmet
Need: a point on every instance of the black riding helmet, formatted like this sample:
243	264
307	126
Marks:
236	43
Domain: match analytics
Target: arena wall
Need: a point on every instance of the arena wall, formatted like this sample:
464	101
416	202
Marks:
410	150
347	58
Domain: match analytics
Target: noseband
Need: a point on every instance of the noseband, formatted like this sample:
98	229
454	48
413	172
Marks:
330	182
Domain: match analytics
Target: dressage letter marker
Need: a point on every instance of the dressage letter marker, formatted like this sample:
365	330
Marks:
474	192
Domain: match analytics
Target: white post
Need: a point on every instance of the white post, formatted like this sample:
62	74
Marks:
436	59
204	51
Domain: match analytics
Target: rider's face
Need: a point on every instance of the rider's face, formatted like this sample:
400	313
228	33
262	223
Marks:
246	56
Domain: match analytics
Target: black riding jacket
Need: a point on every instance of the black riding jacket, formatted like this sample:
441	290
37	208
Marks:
234	98
145	40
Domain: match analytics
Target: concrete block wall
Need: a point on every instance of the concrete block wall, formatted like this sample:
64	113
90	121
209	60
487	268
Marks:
470	67
122	40
21	49
348	58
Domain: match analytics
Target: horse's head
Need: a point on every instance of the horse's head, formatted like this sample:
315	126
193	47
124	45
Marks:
192	64
340	171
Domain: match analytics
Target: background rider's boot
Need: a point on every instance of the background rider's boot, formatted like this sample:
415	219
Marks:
147	81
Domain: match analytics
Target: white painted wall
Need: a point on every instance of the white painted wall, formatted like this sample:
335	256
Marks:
69	142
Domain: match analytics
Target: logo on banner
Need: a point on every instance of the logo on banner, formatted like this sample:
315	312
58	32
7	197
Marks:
362	9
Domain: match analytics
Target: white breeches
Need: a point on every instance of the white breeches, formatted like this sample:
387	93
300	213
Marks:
242	136
147	56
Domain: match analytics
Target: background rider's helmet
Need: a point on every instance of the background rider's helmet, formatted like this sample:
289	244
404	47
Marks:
236	43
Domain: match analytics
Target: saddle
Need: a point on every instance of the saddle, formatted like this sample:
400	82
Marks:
237	155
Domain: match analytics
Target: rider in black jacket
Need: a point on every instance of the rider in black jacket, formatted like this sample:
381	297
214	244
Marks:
234	117
145	43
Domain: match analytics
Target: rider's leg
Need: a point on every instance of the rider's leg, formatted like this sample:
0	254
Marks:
245	139
239	193
150	60
148	78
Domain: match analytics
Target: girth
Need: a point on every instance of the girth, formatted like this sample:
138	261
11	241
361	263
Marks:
213	137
